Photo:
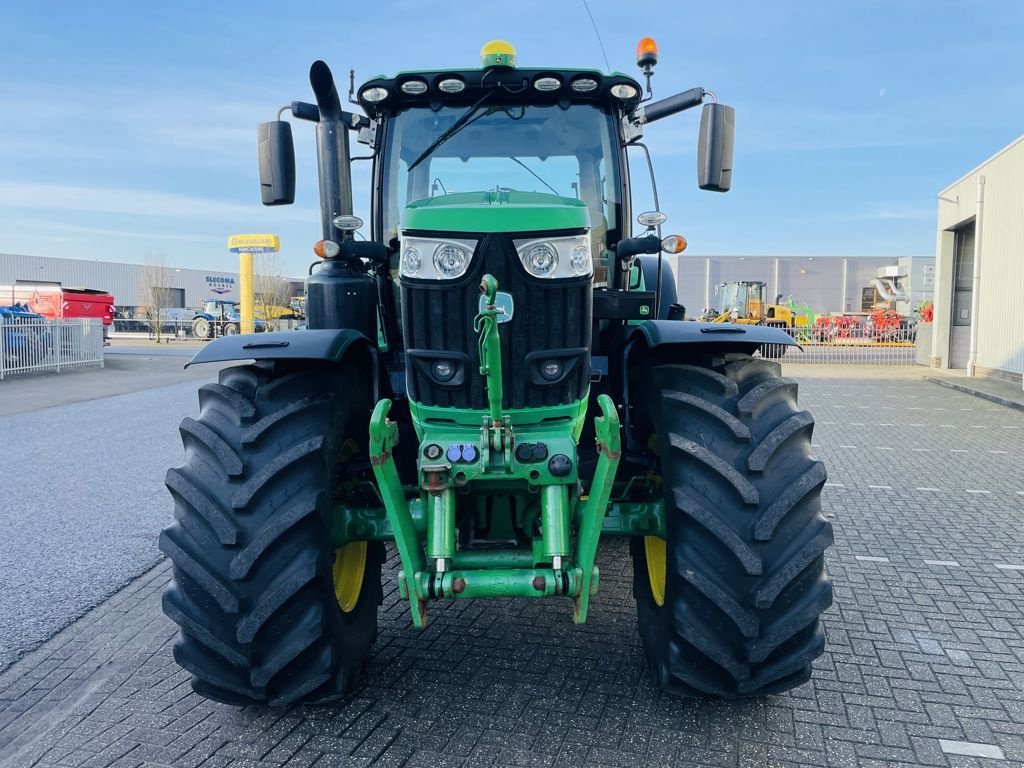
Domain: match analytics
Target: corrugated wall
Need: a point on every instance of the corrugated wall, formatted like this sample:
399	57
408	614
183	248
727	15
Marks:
1001	300
123	281
816	281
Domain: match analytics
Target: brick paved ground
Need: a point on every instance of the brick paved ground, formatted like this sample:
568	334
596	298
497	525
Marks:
926	654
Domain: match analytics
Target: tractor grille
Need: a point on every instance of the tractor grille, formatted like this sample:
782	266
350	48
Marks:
551	321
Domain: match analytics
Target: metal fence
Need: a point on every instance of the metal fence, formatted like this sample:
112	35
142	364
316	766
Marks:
849	344
30	345
180	330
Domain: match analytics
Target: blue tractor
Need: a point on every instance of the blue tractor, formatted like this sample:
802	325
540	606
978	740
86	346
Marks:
220	318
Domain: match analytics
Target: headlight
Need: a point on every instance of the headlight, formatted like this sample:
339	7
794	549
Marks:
451	260
429	258
579	260
540	259
411	261
556	257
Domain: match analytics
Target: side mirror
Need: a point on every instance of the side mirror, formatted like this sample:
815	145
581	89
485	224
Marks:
714	147
277	163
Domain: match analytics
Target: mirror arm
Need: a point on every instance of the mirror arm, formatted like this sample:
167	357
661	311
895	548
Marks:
303	110
627	249
656	110
355	122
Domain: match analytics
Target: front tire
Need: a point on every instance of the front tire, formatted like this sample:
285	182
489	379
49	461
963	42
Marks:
729	604
253	588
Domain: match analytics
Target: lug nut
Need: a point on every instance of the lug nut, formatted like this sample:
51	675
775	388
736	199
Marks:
538	583
458	585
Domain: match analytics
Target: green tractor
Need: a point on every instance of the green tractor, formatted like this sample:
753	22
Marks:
493	378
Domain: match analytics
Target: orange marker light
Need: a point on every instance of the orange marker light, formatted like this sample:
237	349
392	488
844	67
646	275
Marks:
326	249
646	52
673	244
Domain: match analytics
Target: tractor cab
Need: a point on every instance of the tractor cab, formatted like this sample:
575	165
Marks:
220	310
508	150
745	303
741	302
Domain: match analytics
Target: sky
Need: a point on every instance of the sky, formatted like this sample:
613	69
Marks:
129	129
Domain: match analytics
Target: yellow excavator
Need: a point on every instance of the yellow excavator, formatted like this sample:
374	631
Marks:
743	302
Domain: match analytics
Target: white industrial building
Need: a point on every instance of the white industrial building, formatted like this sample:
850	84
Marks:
125	282
979	269
826	284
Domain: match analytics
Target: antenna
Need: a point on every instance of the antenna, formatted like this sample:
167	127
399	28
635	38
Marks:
352	86
608	67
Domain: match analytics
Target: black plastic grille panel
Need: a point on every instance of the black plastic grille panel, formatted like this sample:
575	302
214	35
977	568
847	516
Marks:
549	315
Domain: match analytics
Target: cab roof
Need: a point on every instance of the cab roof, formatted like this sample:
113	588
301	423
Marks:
464	87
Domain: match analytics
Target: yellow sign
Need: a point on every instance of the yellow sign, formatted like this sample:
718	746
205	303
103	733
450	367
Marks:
254	243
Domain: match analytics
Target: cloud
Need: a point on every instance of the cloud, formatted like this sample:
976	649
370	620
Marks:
43	225
772	129
893	212
183	127
61	198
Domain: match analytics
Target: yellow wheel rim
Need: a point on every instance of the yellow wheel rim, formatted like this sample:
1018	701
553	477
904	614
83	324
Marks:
654	549
349	566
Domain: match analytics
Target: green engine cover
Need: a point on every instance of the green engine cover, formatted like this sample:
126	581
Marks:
502	210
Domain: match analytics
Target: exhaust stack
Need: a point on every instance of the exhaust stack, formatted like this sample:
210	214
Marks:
332	152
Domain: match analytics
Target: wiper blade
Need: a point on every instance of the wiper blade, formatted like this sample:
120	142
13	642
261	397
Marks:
464	119
517	161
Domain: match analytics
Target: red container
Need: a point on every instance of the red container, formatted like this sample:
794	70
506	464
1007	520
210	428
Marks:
51	300
87	302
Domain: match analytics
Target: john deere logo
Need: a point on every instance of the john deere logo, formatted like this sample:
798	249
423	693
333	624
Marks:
645	309
503	301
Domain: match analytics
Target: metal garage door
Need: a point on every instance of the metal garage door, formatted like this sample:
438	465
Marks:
963	276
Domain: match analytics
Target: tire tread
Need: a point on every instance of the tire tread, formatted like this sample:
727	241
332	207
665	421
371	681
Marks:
251	590
746	583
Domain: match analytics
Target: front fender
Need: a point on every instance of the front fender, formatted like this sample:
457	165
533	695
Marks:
324	344
662	333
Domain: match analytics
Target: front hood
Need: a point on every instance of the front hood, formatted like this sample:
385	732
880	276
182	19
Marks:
504	210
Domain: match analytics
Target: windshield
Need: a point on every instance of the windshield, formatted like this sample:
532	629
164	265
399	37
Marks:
734	296
569	152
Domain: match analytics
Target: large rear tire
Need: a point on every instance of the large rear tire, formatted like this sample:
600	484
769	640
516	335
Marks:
729	604
254	588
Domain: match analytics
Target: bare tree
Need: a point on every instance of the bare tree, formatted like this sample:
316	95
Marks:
154	291
272	290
